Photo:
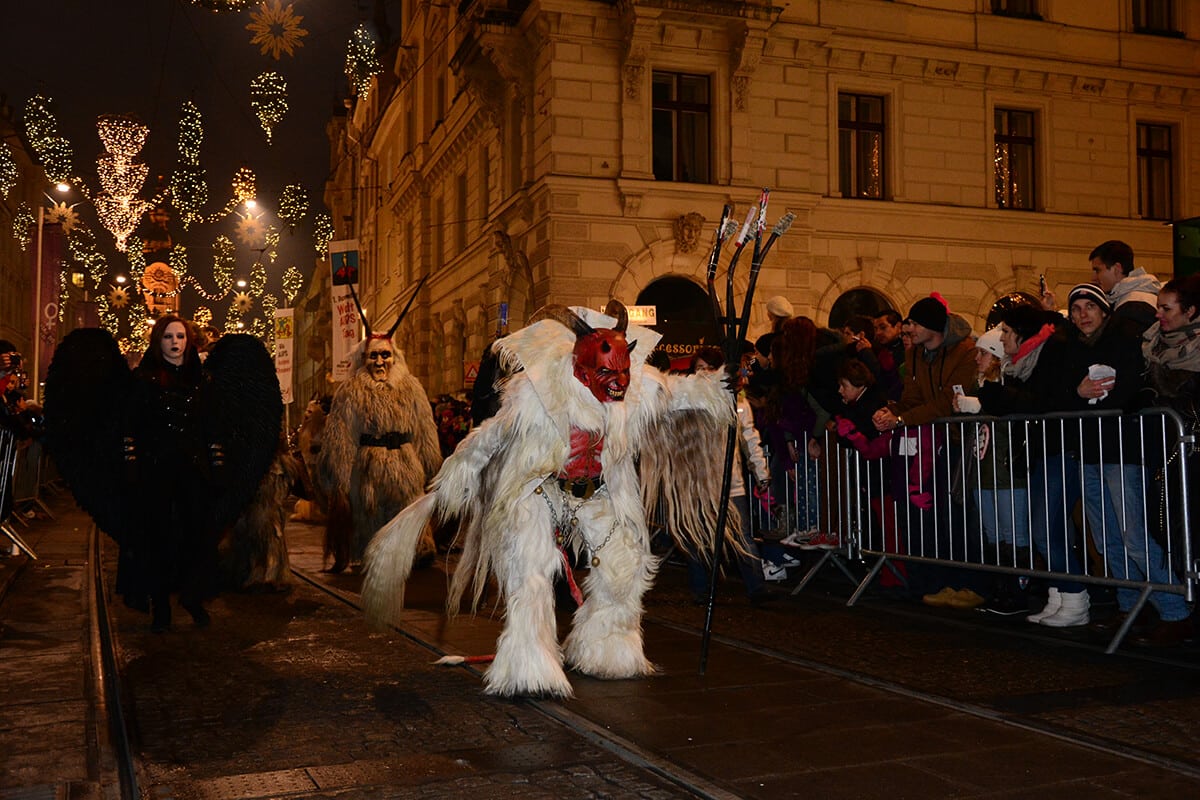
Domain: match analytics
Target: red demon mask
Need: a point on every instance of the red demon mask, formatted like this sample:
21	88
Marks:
601	355
602	364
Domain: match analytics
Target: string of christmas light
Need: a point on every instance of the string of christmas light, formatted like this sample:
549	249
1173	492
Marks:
233	318
121	175
222	5
22	222
189	189
223	264
292	280
258	278
270	304
293	204
362	63
322	232
268	99
276	29
8	170
202	315
178	261
244	188
271	243
52	151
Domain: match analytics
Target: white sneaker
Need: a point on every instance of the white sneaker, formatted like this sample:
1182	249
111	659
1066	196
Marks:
773	572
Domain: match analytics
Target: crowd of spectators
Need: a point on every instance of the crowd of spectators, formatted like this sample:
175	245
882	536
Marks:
1123	343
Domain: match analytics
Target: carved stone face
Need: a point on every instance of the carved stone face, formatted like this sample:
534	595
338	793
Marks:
378	358
602	364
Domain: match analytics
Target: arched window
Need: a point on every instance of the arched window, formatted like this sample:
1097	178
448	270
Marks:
684	315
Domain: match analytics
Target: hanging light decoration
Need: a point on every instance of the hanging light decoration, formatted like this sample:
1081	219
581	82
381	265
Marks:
322	232
189	189
52	151
222	5
276	29
258	278
244	189
293	204
268	98
22	221
269	305
202	315
121	175
293	280
271	243
223	250
362	62
178	261
8	170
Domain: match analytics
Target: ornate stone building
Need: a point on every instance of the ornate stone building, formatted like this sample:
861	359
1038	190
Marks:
534	151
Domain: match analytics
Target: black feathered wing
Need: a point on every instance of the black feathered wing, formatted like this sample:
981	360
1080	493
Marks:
243	414
87	386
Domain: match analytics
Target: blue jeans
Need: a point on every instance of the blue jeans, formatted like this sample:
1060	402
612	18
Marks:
1053	493
1004	514
750	566
1114	499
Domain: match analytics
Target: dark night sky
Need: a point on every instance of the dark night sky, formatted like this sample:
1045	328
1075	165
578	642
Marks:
146	57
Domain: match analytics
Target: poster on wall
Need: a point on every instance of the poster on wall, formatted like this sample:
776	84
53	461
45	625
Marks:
284	341
343	261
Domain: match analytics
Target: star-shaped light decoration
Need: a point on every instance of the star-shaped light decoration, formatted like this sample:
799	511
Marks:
243	302
64	215
118	297
276	29
250	232
268	98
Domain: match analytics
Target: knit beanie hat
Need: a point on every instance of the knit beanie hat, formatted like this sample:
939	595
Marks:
779	306
989	341
1089	291
930	312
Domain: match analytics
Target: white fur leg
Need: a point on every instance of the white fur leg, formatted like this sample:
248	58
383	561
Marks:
606	637
528	659
389	561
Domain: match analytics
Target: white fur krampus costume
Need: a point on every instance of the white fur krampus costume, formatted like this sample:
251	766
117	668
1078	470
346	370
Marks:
378	450
553	469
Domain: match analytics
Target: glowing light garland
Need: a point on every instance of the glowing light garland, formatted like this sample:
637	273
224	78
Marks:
362	62
293	280
222	5
178	262
322	232
121	175
8	169
189	189
244	189
268	98
52	151
293	204
22	221
271	243
258	279
202	315
276	29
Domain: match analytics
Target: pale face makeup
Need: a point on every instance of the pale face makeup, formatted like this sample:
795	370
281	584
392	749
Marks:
174	343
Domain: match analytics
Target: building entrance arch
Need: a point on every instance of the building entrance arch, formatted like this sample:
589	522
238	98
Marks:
684	316
863	300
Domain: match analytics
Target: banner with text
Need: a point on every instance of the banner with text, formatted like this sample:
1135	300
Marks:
284	348
343	260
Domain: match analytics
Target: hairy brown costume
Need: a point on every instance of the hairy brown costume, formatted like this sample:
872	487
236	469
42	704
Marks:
379	448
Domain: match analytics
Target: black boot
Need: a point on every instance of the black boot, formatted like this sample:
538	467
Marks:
162	615
196	609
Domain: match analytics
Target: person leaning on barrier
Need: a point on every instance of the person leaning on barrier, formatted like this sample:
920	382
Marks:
940	359
1171	349
1036	351
997	480
1104	370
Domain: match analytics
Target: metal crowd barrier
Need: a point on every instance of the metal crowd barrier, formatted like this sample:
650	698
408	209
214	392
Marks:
1008	495
9	458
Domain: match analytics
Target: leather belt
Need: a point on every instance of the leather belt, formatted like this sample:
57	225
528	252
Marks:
392	440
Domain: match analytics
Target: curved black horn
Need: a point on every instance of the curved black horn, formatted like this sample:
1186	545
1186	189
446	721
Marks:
361	315
567	318
407	305
616	308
